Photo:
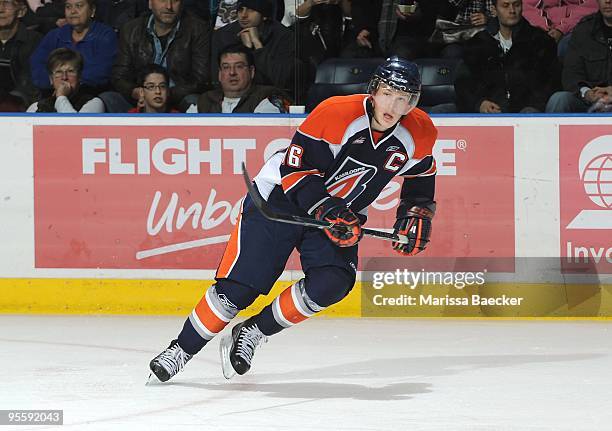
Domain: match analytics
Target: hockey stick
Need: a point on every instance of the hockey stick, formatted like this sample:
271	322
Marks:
270	214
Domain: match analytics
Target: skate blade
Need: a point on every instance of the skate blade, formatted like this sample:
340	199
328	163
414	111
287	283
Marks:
152	380
224	351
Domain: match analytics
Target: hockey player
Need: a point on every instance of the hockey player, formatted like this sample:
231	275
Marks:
339	160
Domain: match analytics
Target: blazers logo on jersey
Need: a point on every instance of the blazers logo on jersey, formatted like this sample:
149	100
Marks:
350	179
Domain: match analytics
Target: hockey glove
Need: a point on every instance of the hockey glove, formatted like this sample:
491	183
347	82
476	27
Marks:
346	230
416	225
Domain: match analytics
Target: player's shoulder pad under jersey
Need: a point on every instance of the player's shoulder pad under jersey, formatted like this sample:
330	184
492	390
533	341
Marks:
422	129
330	119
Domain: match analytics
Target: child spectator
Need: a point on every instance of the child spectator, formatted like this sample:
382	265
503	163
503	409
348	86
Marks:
154	84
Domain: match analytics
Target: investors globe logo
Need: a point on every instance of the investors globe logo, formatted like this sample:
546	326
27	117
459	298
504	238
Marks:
597	179
595	170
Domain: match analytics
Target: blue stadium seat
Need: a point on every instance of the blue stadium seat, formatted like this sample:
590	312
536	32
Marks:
437	77
342	76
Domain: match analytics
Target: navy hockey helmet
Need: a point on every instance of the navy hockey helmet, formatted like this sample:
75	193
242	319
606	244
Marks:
397	72
396	75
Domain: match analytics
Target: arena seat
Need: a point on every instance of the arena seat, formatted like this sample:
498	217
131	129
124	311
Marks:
437	77
342	76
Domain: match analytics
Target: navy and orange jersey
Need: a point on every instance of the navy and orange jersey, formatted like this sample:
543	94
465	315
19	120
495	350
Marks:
335	153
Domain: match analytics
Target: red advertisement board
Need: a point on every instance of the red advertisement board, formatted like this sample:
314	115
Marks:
167	197
585	171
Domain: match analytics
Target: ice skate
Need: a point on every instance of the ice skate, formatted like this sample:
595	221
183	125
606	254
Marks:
169	362
237	349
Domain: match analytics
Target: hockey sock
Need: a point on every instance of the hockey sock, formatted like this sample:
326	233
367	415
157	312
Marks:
219	305
292	306
322	287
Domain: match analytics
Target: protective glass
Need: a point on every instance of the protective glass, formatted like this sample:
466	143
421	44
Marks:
391	100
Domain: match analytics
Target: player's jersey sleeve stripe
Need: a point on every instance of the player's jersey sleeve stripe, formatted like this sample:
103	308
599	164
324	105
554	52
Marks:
317	204
419	168
290	181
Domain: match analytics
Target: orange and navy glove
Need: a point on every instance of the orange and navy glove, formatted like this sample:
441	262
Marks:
415	223
346	230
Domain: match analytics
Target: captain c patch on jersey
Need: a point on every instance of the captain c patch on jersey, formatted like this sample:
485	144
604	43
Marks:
350	179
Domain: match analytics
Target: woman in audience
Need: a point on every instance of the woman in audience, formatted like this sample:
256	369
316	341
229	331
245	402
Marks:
64	73
96	42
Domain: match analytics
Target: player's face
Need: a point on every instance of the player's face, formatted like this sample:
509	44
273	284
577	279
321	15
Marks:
155	92
235	74
249	17
390	105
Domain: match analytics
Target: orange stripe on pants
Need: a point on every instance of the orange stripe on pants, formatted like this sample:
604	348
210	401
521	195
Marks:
231	250
208	317
288	307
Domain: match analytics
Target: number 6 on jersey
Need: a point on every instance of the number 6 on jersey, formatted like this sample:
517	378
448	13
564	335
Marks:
294	156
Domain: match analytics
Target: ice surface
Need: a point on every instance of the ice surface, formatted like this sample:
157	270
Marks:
324	374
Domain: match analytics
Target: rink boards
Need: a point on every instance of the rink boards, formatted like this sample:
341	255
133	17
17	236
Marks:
130	215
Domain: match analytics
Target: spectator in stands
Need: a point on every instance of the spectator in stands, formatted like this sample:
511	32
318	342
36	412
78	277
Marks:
512	66
558	17
18	43
321	27
45	15
271	43
65	67
383	29
96	42
237	93
177	41
471	14
587	76
226	11
154	83
115	13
